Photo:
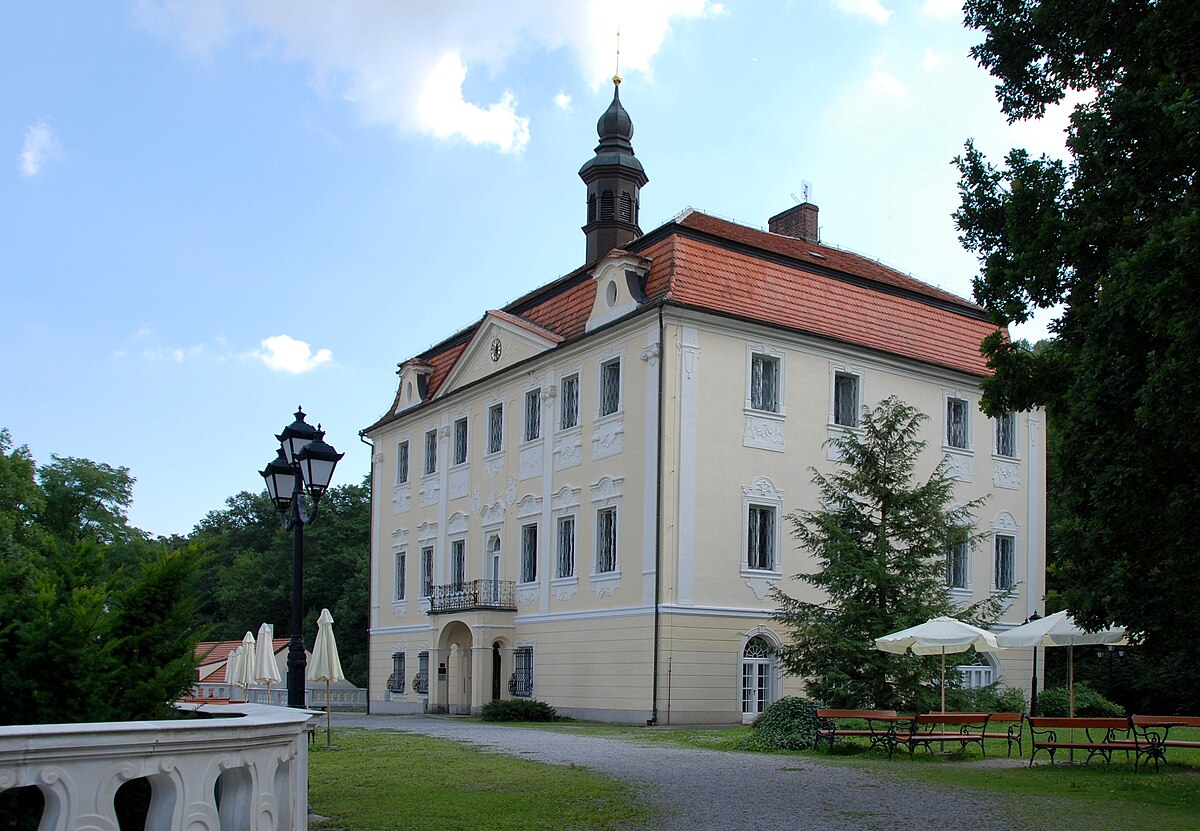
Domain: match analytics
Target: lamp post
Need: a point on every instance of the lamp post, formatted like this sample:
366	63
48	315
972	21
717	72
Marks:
304	465
1033	688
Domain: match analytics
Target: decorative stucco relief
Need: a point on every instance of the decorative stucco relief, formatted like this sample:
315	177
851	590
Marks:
763	433
429	493
960	466
401	498
607	438
531	461
1007	475
568	451
457	484
760	586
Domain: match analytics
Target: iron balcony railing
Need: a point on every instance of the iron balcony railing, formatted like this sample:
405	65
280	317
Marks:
473	594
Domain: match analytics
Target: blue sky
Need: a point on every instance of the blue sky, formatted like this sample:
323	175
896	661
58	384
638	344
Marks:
212	211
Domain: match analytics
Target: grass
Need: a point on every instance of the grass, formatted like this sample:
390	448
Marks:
376	780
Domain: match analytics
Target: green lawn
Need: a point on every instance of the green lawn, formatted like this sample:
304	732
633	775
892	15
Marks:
377	780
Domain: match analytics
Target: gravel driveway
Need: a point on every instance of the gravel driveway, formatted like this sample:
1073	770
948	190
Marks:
703	789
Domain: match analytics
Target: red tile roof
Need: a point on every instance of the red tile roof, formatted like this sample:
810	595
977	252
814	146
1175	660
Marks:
211	652
703	262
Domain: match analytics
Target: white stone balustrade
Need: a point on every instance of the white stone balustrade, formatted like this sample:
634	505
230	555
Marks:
256	759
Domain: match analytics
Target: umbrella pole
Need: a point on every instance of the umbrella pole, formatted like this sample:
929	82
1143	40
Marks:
943	679
328	716
1071	691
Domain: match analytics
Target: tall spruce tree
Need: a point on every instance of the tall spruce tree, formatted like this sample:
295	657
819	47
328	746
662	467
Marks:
880	540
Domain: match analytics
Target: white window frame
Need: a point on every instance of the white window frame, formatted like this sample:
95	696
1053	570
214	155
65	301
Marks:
762	494
427	578
1009	418
603	366
948	399
754	516
602	519
532	415
846	372
1011	555
460	452
402	461
962	552
528	558
775	362
429	467
457	545
776	355
569	404
495	438
401	576
559	524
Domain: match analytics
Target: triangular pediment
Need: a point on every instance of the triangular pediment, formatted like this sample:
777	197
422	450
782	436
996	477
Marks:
500	341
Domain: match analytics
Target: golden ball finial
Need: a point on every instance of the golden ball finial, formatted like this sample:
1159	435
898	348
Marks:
617	80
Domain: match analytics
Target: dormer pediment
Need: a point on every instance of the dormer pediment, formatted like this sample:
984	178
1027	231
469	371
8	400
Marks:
414	382
500	341
619	278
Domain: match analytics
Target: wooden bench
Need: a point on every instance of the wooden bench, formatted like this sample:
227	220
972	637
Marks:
1151	735
1101	736
879	729
1014	732
927	729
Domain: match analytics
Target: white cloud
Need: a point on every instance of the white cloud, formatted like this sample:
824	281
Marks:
40	147
282	353
870	9
1048	134
562	101
932	60
405	67
943	9
874	102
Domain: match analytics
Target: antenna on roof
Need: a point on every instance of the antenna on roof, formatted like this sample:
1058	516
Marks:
806	190
617	73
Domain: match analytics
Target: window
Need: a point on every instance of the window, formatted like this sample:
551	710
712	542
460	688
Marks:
760	544
401	566
395	682
978	673
606	540
566	547
956	423
421	679
427	571
520	685
591	207
458	564
845	399
1006	435
569	401
402	463
533	414
764	383
1006	562
757	669
430	452
495	428
956	565
460	441
610	387
529	552
626	214
607	205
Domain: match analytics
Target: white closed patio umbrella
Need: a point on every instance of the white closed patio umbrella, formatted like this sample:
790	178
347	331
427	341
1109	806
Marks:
1060	629
326	666
245	666
266	670
232	668
938	636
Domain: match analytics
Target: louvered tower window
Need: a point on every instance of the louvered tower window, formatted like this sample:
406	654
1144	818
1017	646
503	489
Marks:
607	205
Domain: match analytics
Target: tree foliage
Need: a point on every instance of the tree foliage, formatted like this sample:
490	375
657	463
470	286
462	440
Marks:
1113	235
880	541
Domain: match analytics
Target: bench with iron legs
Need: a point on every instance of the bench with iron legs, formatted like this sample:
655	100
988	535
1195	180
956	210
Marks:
1151	736
879	727
1013	733
1097	736
927	729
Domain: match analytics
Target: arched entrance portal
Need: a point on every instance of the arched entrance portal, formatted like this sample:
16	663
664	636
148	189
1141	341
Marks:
497	667
454	669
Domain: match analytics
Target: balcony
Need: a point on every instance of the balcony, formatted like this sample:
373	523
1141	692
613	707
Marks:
498	595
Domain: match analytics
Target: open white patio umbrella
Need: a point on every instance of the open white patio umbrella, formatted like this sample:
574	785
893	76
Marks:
938	636
244	676
1060	629
266	670
326	666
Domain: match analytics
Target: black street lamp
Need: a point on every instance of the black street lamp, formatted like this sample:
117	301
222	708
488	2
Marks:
304	465
1033	689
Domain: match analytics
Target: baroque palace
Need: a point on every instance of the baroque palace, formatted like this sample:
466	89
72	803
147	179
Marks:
583	497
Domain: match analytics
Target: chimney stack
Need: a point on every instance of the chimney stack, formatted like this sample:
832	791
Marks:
799	221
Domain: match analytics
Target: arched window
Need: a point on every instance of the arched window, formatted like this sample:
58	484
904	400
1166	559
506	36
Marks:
607	206
758	668
626	207
591	207
979	673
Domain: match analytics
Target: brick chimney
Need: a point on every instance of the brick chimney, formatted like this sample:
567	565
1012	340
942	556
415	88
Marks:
799	221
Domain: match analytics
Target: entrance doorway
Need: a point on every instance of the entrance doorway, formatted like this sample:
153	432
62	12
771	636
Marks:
758	667
496	670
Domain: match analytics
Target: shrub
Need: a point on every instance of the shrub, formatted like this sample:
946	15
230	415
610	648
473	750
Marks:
1055	701
993	698
518	709
788	724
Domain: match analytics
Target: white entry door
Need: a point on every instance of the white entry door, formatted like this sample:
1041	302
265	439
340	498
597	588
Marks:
757	669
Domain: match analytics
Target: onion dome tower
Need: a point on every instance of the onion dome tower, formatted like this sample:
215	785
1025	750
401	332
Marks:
614	178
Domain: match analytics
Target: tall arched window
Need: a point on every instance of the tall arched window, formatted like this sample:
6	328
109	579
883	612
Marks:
758	668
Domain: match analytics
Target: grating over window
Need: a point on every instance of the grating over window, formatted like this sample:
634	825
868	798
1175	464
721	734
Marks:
529	548
760	546
626	214
764	383
427	571
610	387
845	399
495	428
606	540
956	565
401	463
458	565
569	401
395	682
566	547
607	207
401	569
460	441
1006	562
421	679
520	685
533	414
1006	435
431	452
956	423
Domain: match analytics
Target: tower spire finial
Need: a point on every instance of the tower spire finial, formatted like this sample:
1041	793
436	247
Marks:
617	73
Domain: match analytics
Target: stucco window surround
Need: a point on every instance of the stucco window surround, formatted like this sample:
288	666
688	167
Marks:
564	514
429	465
958	408
608	427
958	571
1005	563
427	538
606	509
521	682
1006	461
400	573
765	394
762	531
568	398
402	489
845	381
758	675
529	552
397	682
460	432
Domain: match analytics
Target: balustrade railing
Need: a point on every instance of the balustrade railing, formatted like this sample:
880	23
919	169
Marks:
473	594
249	770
